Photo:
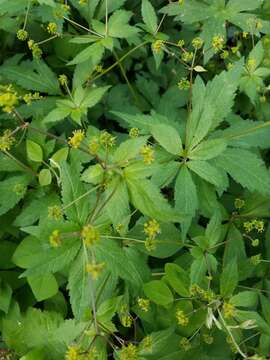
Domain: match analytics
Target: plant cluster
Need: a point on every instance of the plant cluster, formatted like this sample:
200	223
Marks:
134	180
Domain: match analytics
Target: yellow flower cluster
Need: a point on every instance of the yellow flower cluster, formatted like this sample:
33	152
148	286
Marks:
90	235
99	69
22	34
184	84
208	339
72	353
255	259
63	80
93	146
95	269
52	28
36	50
55	212
203	295
197	43
106	139
181	43
182	318
76	138
144	304
187	56
185	344
125	317
147	153
239	203
55	239
157	46
6	140
251	64
218	42
257	225
147	343
28	98
129	352
134	132
8	101
229	310
151	228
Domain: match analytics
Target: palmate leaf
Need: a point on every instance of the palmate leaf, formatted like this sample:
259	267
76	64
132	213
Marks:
246	168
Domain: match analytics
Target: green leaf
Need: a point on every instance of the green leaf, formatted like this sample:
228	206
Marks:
146	197
36	75
118	25
245	299
213	229
80	286
5	298
246	168
237	6
45	177
186	199
258	320
208	172
149	16
229	278
168	138
158	292
178	279
93	52
93	96
72	188
34	151
208	149
57	114
43	286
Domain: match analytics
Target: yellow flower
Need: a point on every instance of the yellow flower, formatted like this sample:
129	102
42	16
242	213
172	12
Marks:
255	259
185	344
90	235
8	101
76	138
99	69
157	46
229	310
129	352
126	320
6	140
55	239
181	318
36	51
184	84
187	56
218	42
148	154
197	43
63	80
245	34
181	43
150	244
55	212
152	229
134	132
251	64
224	54
72	353
22	34
239	203
208	339
95	269
107	139
93	146
29	97
52	28
143	304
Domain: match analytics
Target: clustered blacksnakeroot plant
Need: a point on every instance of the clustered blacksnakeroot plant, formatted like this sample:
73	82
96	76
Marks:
134	180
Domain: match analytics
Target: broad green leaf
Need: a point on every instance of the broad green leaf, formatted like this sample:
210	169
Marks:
186	199
178	279
93	96
149	16
93	52
93	174
213	229
246	168
43	286
167	137
45	177
254	316
265	303
118	25
208	149
34	151
158	292
208	172
57	114
237	6
146	197
229	278
245	299
5	298
72	189
80	286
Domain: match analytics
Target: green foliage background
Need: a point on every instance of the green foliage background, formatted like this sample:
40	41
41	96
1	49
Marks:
134	180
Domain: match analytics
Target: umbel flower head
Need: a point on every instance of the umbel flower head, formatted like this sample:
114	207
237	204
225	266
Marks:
72	353
90	235
76	138
129	352
147	153
8	101
6	140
